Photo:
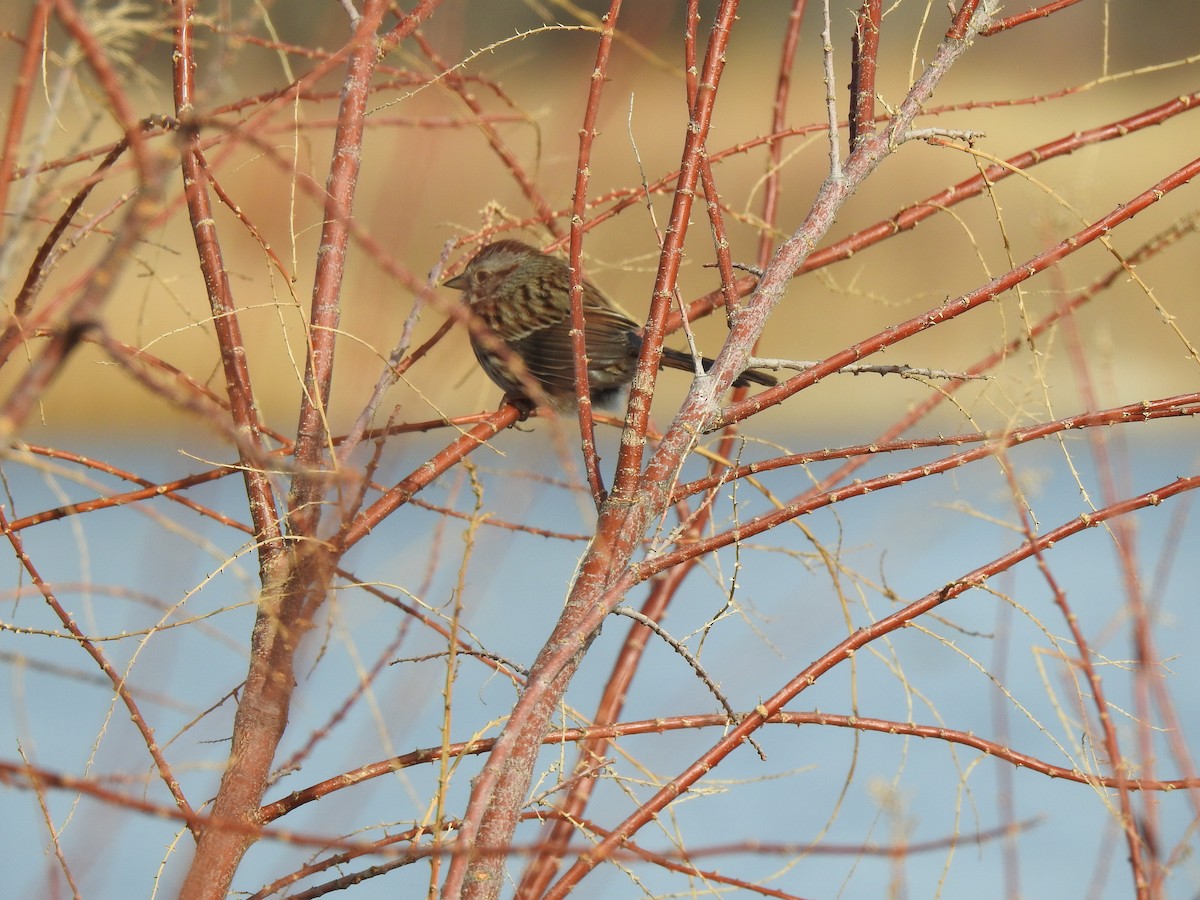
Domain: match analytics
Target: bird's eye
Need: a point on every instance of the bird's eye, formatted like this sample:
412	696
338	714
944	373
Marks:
481	276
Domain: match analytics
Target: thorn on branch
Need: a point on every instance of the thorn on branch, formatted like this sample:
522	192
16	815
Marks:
936	136
756	271
903	370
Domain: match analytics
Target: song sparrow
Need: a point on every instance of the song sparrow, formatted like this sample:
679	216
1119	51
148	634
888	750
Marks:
519	297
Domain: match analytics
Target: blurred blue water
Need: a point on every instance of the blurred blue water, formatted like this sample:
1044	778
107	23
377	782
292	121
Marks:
820	785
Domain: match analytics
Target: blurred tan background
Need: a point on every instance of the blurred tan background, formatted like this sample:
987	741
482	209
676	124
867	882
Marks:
429	176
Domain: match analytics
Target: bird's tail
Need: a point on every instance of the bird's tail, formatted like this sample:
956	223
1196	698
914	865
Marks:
677	359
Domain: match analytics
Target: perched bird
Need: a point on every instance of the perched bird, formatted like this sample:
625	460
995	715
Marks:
519	296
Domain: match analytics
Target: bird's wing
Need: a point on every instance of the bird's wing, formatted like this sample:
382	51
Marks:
611	341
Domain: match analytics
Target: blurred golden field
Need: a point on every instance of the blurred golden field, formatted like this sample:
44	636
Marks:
429	176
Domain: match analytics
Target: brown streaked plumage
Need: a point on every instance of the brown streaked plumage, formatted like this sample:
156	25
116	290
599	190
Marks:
519	297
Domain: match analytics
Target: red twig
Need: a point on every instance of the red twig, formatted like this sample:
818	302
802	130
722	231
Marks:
1038	12
629	460
22	88
863	68
96	285
117	679
587	134
450	456
843	651
984	294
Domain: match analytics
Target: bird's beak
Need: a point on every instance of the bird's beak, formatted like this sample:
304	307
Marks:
458	282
